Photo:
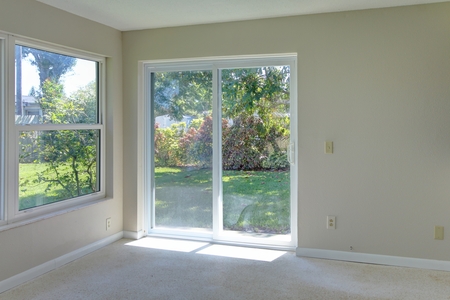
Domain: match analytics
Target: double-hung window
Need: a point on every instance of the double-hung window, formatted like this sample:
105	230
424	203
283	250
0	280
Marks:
55	130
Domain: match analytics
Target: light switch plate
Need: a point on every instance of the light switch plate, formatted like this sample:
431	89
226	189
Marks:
438	232
329	147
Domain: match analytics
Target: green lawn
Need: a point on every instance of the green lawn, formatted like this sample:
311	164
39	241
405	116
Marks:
253	201
32	194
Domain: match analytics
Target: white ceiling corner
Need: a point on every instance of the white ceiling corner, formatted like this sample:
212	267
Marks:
128	15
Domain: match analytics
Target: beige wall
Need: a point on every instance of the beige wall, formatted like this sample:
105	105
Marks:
28	246
375	82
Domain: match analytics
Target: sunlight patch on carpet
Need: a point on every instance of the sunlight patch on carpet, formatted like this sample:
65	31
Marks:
168	244
242	252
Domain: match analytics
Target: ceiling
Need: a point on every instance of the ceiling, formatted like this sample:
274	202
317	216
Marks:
128	15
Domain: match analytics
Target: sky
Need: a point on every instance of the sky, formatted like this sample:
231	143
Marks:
83	72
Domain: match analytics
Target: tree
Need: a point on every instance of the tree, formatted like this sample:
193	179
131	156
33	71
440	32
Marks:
70	156
261	92
178	94
254	100
50	66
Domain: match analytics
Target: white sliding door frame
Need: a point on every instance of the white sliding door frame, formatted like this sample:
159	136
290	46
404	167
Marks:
146	186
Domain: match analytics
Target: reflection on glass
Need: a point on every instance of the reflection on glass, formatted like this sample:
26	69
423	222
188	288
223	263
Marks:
255	137
183	149
57	165
54	89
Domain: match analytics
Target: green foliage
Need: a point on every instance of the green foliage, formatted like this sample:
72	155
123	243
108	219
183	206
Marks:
276	161
167	145
31	194
201	150
185	145
196	123
183	93
69	156
242	146
255	100
81	107
178	146
259	91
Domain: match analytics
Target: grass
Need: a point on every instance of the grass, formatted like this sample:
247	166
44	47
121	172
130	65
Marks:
253	201
34	194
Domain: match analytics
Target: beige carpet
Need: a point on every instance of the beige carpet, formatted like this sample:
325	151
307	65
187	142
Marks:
138	270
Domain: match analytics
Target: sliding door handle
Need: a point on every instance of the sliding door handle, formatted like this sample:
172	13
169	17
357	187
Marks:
291	153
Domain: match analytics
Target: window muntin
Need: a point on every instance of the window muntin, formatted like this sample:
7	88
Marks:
56	125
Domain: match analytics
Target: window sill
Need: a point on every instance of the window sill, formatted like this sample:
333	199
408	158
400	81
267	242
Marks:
50	215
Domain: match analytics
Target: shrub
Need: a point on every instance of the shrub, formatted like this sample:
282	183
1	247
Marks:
167	150
201	150
242	147
276	161
185	145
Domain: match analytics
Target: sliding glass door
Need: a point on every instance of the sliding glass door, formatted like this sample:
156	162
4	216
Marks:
220	151
255	138
182	156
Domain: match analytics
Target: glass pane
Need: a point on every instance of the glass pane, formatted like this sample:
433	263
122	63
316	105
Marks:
183	149
255	138
57	165
54	89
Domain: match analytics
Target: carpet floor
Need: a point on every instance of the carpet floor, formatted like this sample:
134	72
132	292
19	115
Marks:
154	268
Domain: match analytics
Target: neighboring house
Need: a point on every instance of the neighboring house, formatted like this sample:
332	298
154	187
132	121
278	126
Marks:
31	106
31	111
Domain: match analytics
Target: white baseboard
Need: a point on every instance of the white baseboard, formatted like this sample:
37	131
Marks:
56	263
133	235
376	259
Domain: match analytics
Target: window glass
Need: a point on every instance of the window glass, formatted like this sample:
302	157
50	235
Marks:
183	151
219	149
58	128
52	88
56	165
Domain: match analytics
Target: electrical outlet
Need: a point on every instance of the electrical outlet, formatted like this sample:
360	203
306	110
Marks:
108	224
331	222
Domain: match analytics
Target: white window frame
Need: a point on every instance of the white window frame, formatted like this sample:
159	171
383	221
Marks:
146	188
3	85
11	200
